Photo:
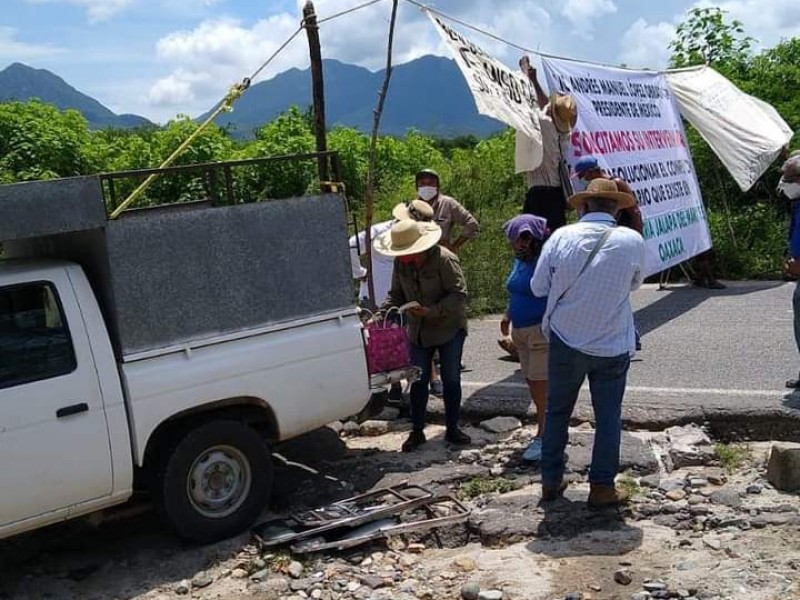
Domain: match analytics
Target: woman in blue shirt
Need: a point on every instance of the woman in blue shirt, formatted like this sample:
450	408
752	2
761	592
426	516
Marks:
527	234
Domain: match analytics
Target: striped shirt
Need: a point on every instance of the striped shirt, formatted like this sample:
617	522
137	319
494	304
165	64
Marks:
594	315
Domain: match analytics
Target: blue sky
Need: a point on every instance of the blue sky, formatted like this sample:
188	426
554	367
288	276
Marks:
159	58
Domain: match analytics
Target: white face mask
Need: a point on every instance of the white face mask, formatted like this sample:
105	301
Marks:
791	189
427	192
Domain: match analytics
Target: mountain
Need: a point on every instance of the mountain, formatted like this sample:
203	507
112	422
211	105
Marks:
21	82
428	94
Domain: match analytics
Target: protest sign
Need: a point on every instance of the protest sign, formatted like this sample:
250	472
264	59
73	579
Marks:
629	121
499	92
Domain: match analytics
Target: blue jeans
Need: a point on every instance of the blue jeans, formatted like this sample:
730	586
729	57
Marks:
796	309
450	368
607	375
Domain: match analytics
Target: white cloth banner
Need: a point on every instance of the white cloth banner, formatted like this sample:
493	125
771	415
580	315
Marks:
499	92
746	133
629	122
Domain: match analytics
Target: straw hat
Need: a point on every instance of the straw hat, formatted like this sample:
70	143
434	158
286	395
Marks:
417	210
407	237
603	188
564	111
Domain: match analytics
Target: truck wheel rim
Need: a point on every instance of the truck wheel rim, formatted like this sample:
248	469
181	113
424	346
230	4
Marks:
219	482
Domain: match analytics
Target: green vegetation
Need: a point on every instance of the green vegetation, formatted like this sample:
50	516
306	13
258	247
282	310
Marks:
748	229
732	456
478	486
628	484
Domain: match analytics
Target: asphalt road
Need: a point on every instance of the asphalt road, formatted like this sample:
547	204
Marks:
719	356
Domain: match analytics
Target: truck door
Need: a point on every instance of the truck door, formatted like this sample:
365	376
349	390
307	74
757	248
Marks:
54	445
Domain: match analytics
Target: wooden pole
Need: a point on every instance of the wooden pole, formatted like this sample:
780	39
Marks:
376	122
318	91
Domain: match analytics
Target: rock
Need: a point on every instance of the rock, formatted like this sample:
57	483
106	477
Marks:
350	428
654	586
754	488
783	469
469	456
726	497
698	482
202	580
415	548
676	495
490	595
651	481
689	446
501	424
261	575
496	471
465	564
470	591
696	499
373	428
373	582
669	485
641	596
295	570
716	476
573	596
183	587
712	543
239	574
623	577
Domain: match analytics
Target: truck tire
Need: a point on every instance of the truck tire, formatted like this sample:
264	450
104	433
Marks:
215	482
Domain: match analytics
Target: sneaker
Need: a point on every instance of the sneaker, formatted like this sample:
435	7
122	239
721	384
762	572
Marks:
601	496
533	453
436	388
414	440
550	493
457	437
793	384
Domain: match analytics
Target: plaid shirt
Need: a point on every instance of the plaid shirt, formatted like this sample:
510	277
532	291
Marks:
594	315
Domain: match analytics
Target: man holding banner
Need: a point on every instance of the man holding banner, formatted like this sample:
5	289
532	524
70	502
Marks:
545	196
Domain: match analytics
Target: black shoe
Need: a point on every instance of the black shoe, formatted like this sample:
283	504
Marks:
793	384
457	437
414	440
396	394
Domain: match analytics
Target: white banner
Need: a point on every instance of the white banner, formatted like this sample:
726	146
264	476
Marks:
498	92
629	121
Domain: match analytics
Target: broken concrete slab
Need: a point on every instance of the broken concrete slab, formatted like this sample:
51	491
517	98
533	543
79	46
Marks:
501	424
783	469
635	455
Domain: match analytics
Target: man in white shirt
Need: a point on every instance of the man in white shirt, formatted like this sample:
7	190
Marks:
587	270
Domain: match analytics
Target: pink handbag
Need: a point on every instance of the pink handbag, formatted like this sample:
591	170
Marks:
387	347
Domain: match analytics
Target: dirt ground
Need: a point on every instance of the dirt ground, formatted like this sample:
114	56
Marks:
730	537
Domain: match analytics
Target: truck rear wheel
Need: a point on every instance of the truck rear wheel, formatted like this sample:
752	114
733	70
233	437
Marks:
215	482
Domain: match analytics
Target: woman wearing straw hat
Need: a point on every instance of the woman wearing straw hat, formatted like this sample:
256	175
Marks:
431	276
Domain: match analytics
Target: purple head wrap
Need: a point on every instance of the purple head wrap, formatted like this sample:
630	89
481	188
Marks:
536	226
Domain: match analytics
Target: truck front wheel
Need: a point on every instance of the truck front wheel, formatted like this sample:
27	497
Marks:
215	482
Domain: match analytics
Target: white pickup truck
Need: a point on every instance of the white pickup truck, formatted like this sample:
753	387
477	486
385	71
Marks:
165	348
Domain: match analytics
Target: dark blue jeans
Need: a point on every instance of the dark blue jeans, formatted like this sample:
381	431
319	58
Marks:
796	310
450	368
607	375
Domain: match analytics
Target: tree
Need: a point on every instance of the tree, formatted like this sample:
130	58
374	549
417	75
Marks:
705	37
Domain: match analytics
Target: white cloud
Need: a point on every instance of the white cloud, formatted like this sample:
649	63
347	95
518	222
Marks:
13	49
583	14
207	59
96	10
646	45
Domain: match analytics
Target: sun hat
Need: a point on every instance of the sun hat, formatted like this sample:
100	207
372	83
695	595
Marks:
533	224
407	237
587	163
603	188
563	111
417	210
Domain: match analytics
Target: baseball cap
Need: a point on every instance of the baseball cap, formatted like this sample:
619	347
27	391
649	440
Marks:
587	163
